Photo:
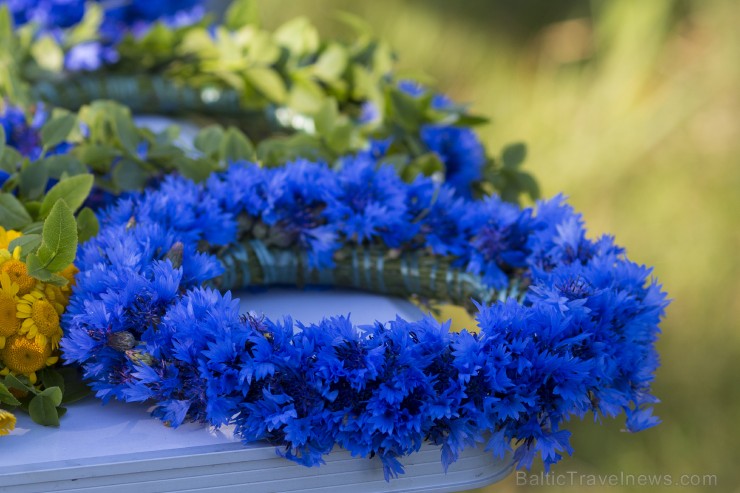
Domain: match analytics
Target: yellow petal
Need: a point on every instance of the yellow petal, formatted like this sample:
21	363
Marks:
40	339
52	360
23	308
32	377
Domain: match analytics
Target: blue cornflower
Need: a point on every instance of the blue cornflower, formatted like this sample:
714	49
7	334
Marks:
460	151
20	133
370	202
500	239
297	195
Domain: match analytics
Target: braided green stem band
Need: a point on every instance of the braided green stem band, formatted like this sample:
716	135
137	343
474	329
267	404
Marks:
369	269
152	94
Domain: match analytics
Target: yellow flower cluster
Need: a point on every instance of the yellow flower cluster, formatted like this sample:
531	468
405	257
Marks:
30	312
7	422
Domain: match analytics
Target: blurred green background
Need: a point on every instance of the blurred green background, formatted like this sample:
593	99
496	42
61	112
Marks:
632	109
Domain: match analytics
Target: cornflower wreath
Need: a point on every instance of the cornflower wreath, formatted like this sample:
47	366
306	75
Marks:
348	178
573	331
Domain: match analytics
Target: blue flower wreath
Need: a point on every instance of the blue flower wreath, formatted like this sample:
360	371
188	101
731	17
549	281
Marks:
567	324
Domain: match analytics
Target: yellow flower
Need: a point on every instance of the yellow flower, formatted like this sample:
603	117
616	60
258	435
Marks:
6	236
17	271
26	356
40	318
9	322
7	422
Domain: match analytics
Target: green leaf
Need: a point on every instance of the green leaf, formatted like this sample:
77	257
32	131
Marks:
7	398
197	169
128	175
326	118
279	150
34	228
28	243
208	140
2	141
51	378
87	224
48	54
514	155
11	381
127	132
426	164
59	239
331	63
306	96
98	157
242	13
235	146
12	213
32	180
407	109
9	160
43	410
467	120
268	82
75	388
56	130
62	164
298	36
528	185
53	393
37	270
73	191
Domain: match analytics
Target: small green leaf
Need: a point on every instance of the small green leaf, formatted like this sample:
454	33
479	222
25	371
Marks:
128	176
298	36
43	410
56	130
38	271
7	398
514	155
73	191
467	120
75	388
306	96
12	382
528	185
98	157
9	160
12	213
32	180
87	224
426	164
127	133
235	146
33	228
61	164
2	141
53	393
28	243
268	82
331	63
242	13
48	54
59	239
51	378
408	110
197	169
208	140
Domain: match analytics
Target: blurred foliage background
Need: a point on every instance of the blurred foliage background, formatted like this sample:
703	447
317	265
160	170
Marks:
632	109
